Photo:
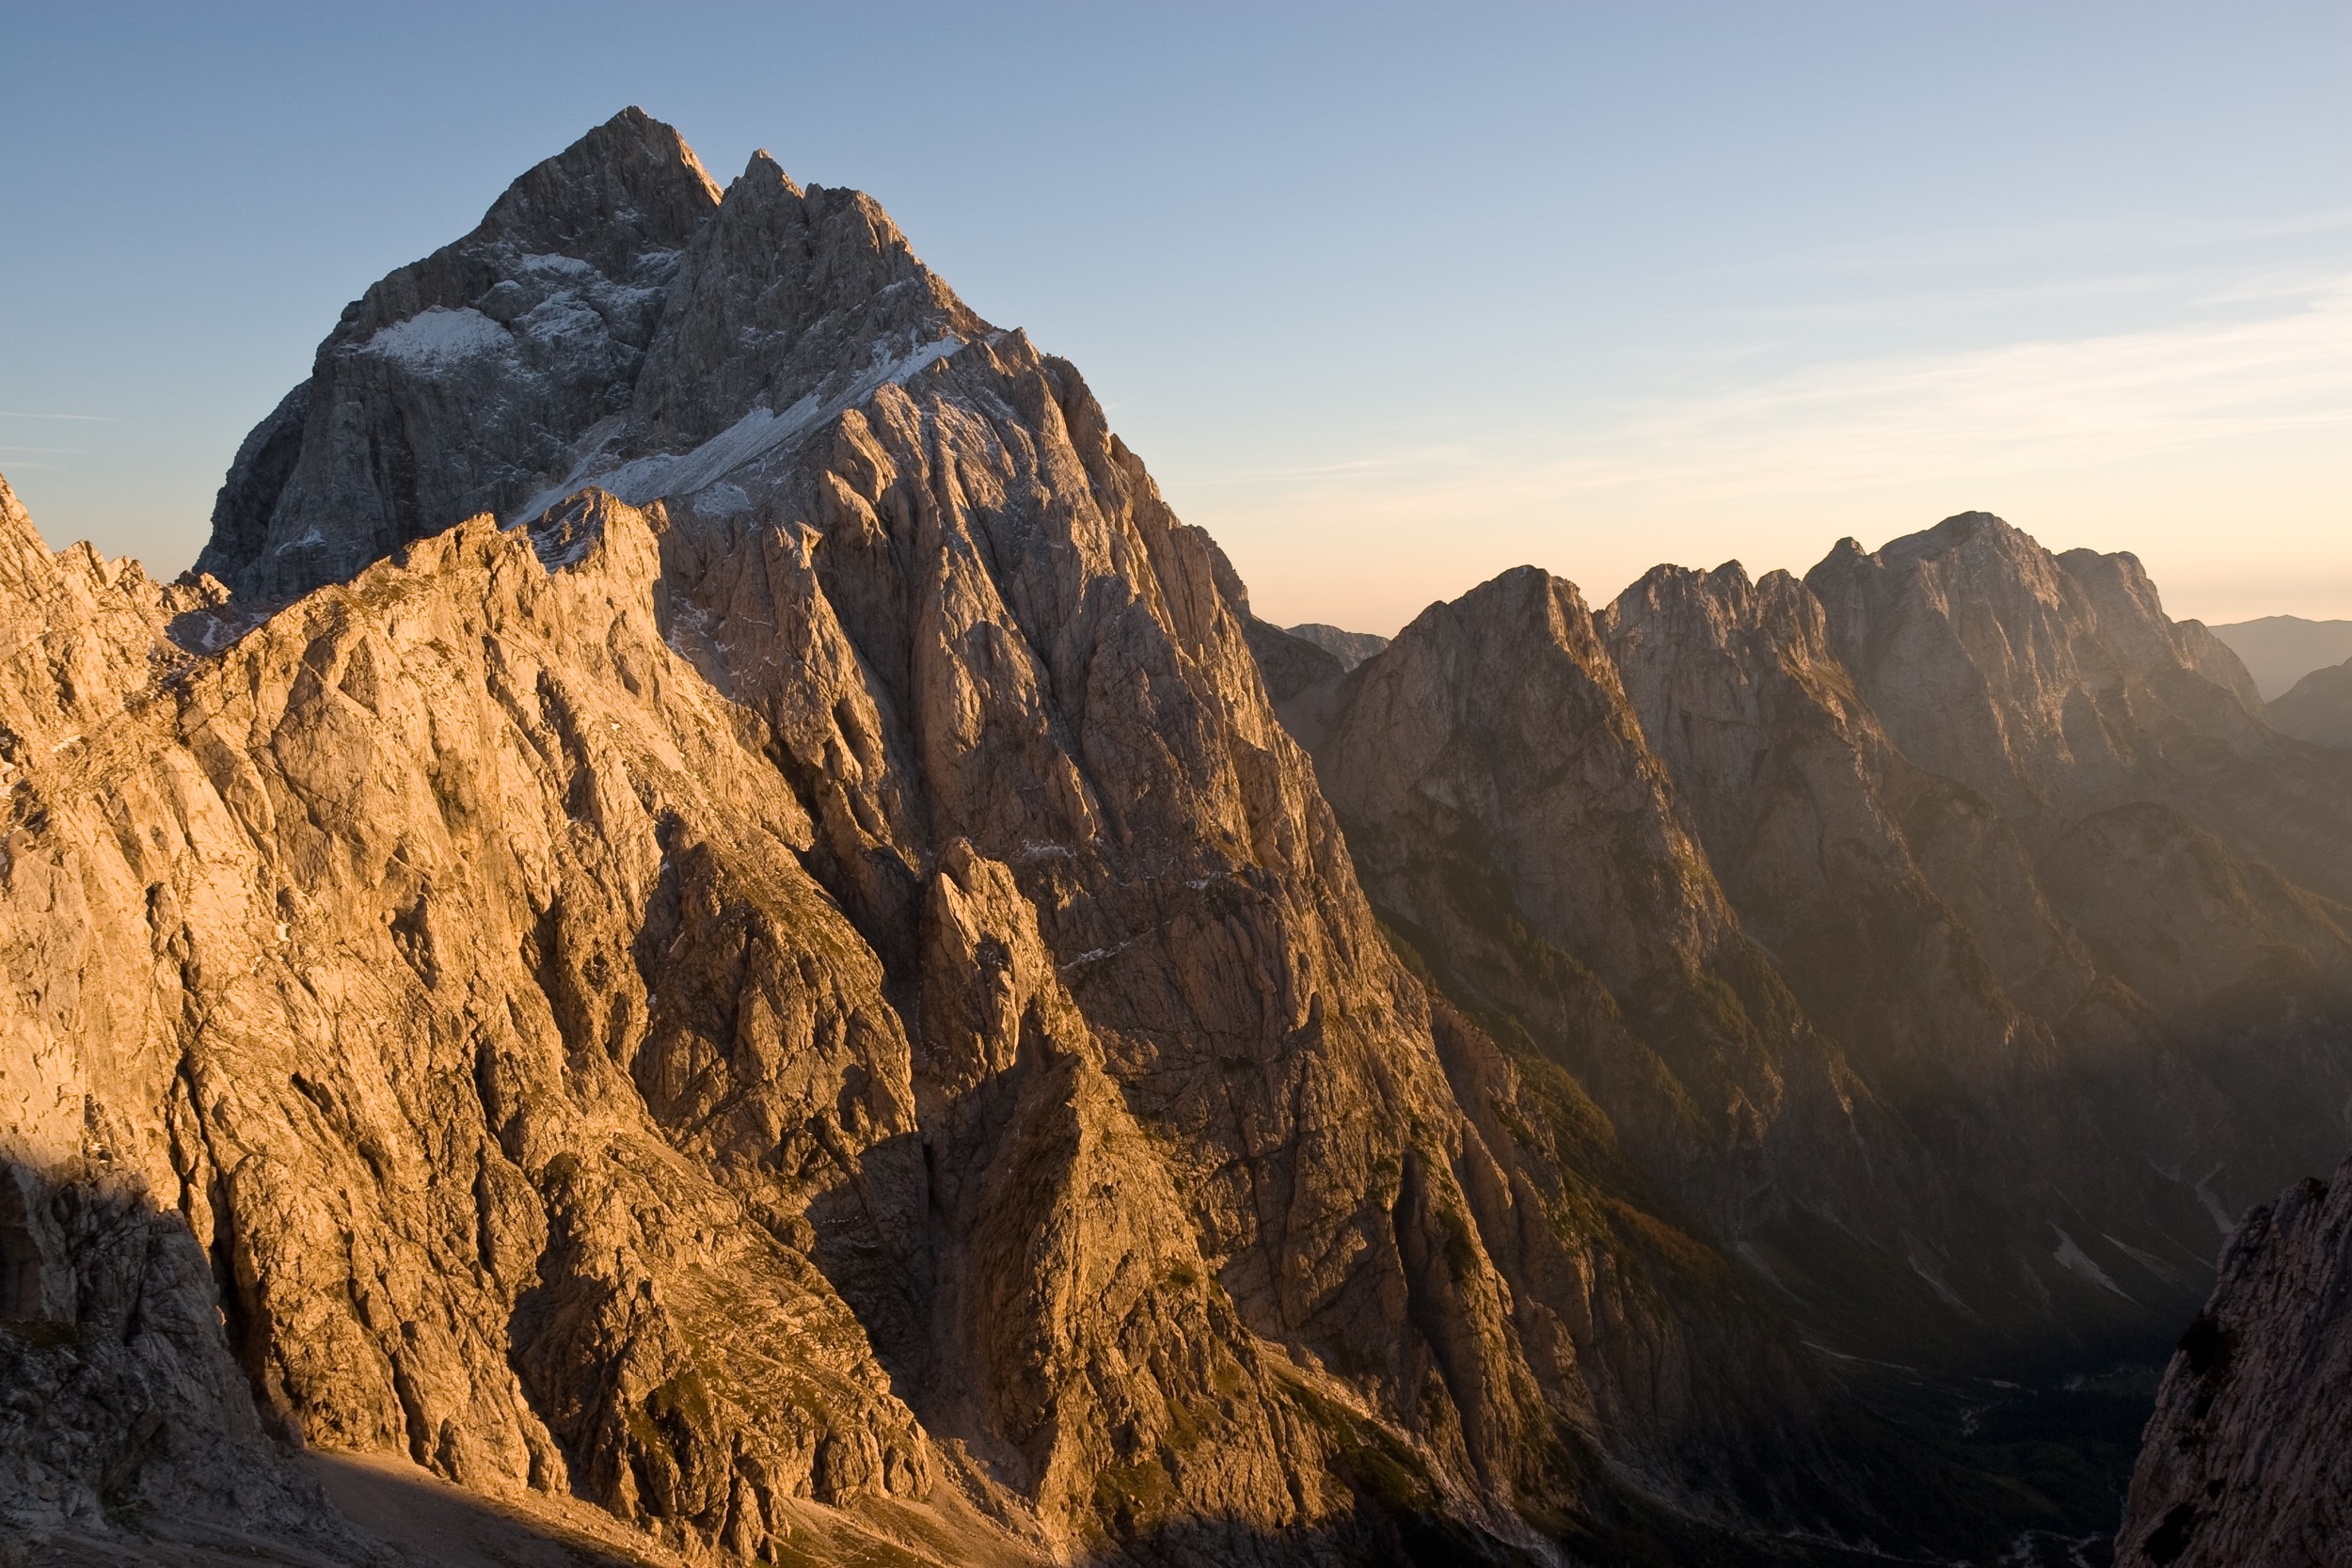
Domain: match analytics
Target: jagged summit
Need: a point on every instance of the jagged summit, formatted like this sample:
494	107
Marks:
2096	614
630	188
2055	686
763	164
1960	528
814	975
1955	842
1955	532
613	313
1729	580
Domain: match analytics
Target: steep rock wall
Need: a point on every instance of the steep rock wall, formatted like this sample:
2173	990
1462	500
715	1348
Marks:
809	975
2246	1459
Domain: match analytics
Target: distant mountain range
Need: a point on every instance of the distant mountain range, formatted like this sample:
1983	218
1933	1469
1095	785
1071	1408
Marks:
2318	708
2280	649
1350	648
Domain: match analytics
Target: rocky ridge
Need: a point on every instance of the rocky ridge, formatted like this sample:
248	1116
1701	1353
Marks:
710	906
718	919
2055	686
1955	860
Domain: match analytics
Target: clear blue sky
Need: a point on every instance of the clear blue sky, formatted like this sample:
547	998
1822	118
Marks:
1390	298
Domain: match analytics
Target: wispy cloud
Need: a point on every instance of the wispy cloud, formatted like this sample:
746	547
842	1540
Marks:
2028	408
1388	463
86	419
2023	407
1977	247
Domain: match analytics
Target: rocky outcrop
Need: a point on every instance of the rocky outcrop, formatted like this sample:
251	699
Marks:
1511	820
451	384
1915	926
2248	1458
1814	824
2317	708
388	868
2200	855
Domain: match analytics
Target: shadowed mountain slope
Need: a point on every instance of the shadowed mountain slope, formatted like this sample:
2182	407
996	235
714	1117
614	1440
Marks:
2318	708
1977	936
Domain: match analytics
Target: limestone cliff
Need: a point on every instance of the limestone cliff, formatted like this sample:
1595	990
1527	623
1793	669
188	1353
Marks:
1992	997
1513	823
710	911
718	921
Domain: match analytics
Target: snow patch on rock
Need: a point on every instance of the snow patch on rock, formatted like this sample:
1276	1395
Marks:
746	441
438	337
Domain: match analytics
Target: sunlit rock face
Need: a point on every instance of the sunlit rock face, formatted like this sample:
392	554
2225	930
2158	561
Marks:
716	919
707	908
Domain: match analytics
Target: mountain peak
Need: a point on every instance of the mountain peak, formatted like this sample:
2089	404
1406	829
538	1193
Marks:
628	191
612	311
763	171
1966	525
1957	531
1729	580
632	172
